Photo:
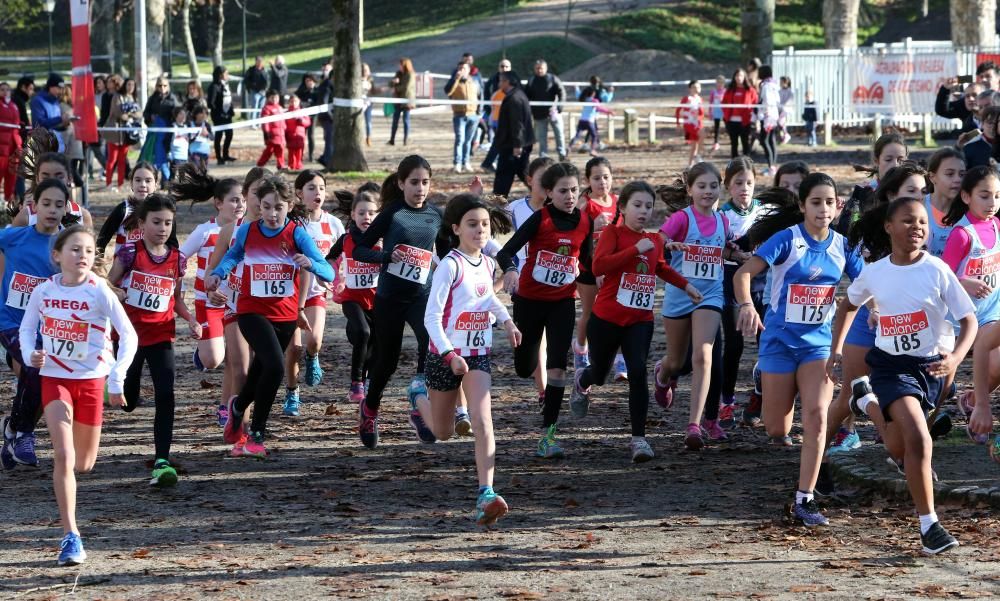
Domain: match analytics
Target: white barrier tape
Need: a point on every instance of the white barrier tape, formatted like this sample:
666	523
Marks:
352	103
621	84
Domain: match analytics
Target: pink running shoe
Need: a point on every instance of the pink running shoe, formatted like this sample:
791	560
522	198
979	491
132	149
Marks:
713	430
254	446
664	395
239	449
357	393
966	403
693	441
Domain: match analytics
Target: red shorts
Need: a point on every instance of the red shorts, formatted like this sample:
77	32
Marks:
86	397
228	319
210	319
692	133
317	301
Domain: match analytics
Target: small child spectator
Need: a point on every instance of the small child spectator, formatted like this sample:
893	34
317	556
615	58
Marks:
690	116
979	149
201	145
177	142
274	131
714	104
588	120
786	98
295	134
810	117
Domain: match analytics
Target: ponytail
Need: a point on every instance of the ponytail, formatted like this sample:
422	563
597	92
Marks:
786	215
195	184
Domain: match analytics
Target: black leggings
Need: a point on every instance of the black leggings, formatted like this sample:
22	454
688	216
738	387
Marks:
718	122
390	317
738	134
222	148
556	320
160	358
268	340
360	323
634	340
733	349
769	143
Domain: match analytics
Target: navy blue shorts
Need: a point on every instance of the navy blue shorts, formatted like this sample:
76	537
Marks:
896	376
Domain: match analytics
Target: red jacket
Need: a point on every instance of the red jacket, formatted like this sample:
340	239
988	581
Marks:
295	131
739	96
10	137
274	132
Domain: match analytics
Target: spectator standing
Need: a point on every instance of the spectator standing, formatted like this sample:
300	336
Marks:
194	96
368	88
10	142
274	132
546	87
308	96
96	150
159	113
965	107
201	144
21	96
255	82
493	93
324	95
810	116
74	147
220	104
404	86
465	117
279	77
46	111
295	134
739	118
786	105
769	114
515	134
122	111
987	75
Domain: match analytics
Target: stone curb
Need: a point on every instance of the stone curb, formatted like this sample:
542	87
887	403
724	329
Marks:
848	470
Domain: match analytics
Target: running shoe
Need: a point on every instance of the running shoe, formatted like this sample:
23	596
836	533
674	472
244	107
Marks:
234	425
825	485
942	426
581	356
758	379
490	507
7	452
844	441
292	404
727	415
418	387
71	551
809	514
937	539
196	359
579	399
357	392
368	425
222	414
547	447
966	403
641	451
976	438
423	433
314	373
780	441
239	449
693	440
664	394
24	449
712	429
621	371
463	425
861	389
715	147
254	446
164	474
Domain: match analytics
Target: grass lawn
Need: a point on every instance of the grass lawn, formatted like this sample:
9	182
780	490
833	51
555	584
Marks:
709	29
560	55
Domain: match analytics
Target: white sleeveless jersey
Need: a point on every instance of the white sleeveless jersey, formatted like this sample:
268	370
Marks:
467	313
324	232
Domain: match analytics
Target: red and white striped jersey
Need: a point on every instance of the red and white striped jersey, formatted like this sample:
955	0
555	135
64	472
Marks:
324	232
201	243
231	285
71	209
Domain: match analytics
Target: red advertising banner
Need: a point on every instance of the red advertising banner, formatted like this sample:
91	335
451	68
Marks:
83	80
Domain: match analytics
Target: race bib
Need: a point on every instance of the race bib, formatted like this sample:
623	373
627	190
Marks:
472	331
554	270
133	235
324	246
808	304
20	289
636	291
984	268
415	266
702	262
272	280
149	292
235	282
65	338
904	333
361	275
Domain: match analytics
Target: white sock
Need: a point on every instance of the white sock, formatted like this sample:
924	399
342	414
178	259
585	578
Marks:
802	497
864	401
926	521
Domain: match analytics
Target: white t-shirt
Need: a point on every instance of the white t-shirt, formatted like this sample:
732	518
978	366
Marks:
914	302
520	210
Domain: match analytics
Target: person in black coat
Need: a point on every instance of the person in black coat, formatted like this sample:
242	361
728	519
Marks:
220	106
309	95
255	82
546	87
279	77
515	134
963	108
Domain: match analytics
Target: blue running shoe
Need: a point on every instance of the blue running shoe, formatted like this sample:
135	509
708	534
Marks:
490	507
71	551
581	357
424	433
809	514
844	442
24	449
621	371
548	448
222	414
418	387
368	425
579	398
291	403
196	359
314	373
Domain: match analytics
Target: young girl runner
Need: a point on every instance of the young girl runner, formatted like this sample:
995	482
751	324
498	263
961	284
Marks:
355	288
272	249
325	229
407	226
945	171
459	317
559	247
76	311
807	260
193	183
915	350
144	180
28	262
888	151
629	259
148	276
47	165
697	237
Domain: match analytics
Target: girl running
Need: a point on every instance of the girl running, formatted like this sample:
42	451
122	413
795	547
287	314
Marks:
559	242
147	275
916	350
807	260
76	311
888	151
273	250
355	288
629	259
144	180
195	184
47	165
325	229
28	263
407	226
698	238
460	312
945	171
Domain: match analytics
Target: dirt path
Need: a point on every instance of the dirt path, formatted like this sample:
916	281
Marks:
326	518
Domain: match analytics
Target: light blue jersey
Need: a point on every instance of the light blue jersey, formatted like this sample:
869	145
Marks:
27	263
982	264
938	233
701	264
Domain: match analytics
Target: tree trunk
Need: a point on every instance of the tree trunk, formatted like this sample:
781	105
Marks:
569	15
840	23
192	56
757	29
118	62
217	22
348	121
102	34
156	16
973	22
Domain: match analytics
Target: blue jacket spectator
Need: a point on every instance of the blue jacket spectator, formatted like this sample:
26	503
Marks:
46	111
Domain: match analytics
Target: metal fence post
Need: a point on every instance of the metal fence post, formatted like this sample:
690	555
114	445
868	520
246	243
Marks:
877	125
611	128
652	128
928	137
827	128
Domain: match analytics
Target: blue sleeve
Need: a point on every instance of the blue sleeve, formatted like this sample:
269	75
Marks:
4	234
235	253
854	262
38	113
776	249
307	246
